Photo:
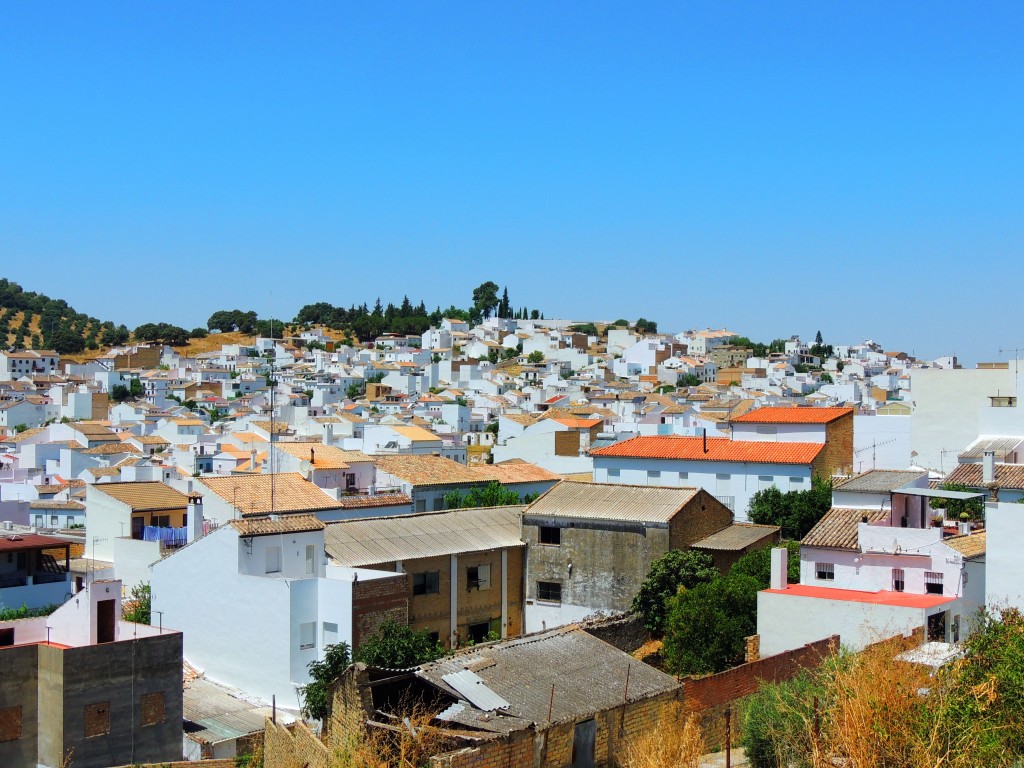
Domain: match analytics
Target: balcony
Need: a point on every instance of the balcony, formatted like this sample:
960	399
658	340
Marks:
729	501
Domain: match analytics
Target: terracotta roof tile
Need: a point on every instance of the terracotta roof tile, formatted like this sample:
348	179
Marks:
838	529
969	545
251	494
783	415
718	449
1006	476
143	496
426	469
267	526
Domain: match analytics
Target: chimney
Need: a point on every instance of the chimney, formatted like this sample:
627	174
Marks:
252	458
194	517
780	568
988	467
328	433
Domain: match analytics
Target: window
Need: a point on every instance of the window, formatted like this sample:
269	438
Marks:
764	481
684	475
653	474
151	709
613	473
549	534
767	430
796	482
421	505
933	583
69	521
53	521
307	635
273	559
10	723
550	591
426	583
723	477
6	636
161	521
39	521
97	719
478	577
825	571
330	633
310	559
899	580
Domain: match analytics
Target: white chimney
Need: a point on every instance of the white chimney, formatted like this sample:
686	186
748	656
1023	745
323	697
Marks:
328	433
988	467
194	517
780	568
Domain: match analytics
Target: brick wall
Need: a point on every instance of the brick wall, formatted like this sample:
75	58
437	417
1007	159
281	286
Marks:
433	612
701	517
567	443
551	747
837	455
294	746
376	601
710	696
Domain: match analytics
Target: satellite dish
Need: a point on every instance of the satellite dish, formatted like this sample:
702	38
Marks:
305	467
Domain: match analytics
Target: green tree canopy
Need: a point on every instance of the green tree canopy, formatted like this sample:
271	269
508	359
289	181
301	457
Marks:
675	570
316	695
796	511
536	357
138	607
485	298
494	494
398	647
707	626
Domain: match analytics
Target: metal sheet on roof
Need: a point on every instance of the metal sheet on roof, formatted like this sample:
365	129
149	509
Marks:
472	687
611	501
375	540
935	493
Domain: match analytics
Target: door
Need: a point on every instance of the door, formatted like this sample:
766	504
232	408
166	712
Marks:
937	627
583	740
137	525
105	621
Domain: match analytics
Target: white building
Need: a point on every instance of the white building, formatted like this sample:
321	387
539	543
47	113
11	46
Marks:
275	607
731	470
871	573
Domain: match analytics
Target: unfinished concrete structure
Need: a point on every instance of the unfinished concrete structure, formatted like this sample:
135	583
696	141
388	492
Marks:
83	689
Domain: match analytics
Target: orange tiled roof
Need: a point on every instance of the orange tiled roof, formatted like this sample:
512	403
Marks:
719	449
784	415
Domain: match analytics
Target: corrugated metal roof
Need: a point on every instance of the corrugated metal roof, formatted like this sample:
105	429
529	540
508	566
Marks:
611	501
472	688
375	540
736	537
880	481
1001	446
588	676
217	714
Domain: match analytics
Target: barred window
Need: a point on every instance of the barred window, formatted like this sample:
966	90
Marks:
933	583
826	571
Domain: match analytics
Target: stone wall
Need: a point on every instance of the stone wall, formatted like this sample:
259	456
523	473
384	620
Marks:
294	746
627	633
701	517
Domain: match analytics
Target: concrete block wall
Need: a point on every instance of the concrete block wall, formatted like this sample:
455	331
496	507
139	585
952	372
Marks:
19	670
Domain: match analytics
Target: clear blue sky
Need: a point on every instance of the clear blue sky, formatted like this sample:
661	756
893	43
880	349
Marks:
779	167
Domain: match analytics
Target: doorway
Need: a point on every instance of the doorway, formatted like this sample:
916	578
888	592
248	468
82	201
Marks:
105	621
583	741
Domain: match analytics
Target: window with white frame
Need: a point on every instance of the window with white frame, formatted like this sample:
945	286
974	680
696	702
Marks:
310	559
933	582
825	571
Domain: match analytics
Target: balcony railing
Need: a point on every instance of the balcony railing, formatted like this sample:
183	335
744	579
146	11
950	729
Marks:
13	581
49	578
729	501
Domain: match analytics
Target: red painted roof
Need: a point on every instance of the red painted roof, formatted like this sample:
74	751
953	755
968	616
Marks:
777	415
29	541
900	599
719	449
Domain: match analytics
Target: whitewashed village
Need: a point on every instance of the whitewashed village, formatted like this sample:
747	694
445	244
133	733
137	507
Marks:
497	539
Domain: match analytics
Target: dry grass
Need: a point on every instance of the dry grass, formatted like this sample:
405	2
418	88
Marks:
408	743
676	742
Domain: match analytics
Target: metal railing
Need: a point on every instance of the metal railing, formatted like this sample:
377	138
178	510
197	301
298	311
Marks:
729	501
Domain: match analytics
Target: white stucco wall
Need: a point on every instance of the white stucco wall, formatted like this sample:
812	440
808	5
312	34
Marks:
1004	575
881	442
947	410
786	621
719	478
